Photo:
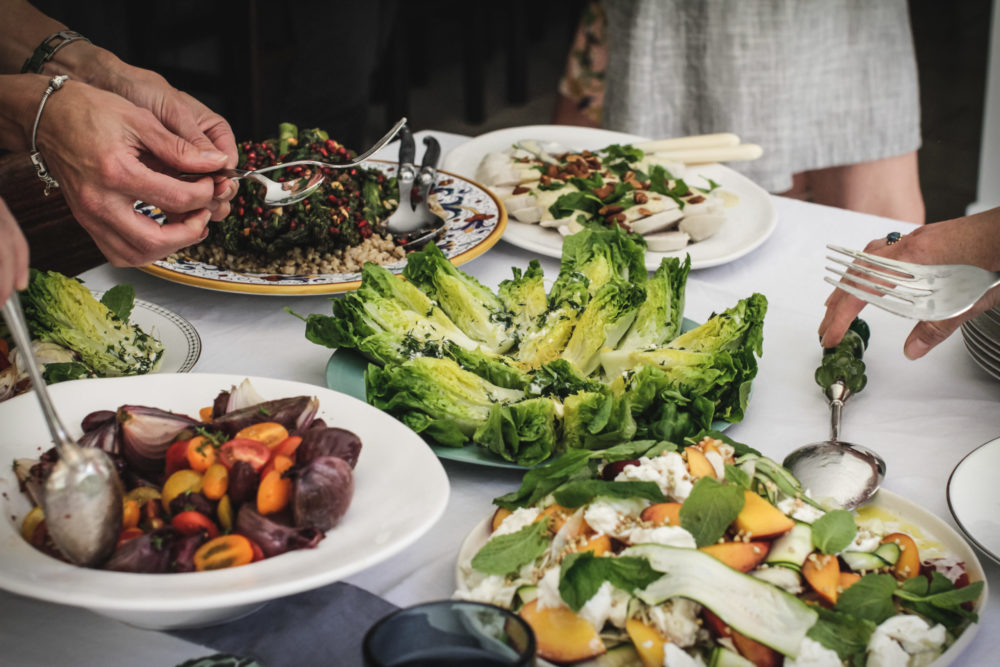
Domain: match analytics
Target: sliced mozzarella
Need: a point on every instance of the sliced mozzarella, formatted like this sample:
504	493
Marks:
529	214
522	200
642	210
549	222
667	241
700	227
657	222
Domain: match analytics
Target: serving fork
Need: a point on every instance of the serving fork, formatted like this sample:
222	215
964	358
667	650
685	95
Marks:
925	292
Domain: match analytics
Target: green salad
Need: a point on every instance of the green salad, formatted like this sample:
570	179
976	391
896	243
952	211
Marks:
525	372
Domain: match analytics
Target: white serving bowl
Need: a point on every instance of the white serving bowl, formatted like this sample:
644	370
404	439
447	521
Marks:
400	492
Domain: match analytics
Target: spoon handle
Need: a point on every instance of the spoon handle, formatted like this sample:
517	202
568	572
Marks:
19	330
837	393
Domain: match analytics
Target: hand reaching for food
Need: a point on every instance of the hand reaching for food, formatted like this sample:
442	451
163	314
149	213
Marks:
973	239
106	153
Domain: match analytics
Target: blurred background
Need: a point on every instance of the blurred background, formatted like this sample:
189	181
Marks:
354	67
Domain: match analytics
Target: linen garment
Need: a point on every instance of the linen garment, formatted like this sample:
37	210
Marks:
817	83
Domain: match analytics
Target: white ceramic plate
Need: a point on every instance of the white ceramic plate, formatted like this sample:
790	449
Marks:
475	222
928	530
181	342
400	492
749	223
974	499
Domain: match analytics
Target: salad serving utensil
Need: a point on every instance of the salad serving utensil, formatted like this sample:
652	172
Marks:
837	473
285	193
414	224
926	292
82	499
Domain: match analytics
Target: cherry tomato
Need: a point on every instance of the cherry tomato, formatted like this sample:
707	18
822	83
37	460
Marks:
128	534
270	433
177	458
191	522
255	453
258	553
287	446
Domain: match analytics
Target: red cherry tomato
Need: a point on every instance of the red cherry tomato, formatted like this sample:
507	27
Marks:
258	553
176	458
191	522
257	454
128	534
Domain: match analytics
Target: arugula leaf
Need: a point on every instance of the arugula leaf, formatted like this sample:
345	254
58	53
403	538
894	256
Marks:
939	600
626	152
712	185
575	201
541	481
553	185
737	476
119	300
843	633
661	447
832	532
580	492
60	371
591	182
505	554
870	597
582	574
625	451
709	509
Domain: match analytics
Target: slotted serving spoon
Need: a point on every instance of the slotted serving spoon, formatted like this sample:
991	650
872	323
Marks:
285	193
82	499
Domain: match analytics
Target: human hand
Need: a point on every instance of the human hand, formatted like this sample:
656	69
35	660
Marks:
186	117
179	112
13	255
971	240
101	147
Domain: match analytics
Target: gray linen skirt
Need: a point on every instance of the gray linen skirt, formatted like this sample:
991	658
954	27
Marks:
817	83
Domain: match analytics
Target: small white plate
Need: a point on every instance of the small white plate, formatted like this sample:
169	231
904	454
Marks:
749	223
400	491
181	342
974	498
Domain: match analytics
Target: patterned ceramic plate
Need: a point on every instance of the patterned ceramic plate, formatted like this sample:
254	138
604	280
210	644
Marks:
476	221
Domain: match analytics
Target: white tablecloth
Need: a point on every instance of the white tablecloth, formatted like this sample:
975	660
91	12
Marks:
922	416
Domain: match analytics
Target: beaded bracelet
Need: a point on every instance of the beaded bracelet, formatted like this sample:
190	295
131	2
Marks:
55	83
46	50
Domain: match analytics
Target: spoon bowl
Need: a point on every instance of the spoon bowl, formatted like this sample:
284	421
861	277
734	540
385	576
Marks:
836	473
82	499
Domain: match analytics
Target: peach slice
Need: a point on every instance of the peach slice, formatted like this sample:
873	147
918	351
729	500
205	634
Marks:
908	564
600	544
562	635
742	556
751	649
498	517
822	571
698	464
648	642
559	515
759	518
847	579
662	514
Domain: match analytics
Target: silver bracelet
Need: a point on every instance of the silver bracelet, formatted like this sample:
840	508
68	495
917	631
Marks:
55	83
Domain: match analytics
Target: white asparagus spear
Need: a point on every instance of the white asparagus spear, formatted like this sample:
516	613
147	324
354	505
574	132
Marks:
716	154
683	143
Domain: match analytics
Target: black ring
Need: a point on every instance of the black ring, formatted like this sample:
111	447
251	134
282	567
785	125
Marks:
892	237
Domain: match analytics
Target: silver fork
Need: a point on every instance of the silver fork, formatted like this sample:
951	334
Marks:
925	292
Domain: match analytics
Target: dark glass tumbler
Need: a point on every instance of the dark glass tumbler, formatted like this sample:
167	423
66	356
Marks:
450	632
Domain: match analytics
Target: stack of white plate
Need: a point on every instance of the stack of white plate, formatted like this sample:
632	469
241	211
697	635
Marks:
982	339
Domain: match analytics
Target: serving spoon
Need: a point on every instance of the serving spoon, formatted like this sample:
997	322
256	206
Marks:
82	498
286	193
836	473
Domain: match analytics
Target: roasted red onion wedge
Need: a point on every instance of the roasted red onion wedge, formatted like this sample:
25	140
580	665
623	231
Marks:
147	433
295	413
332	441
